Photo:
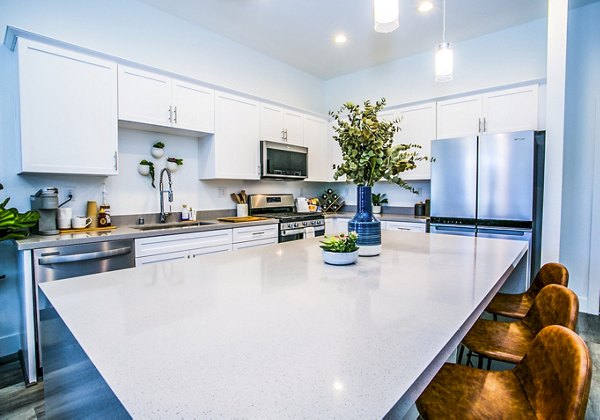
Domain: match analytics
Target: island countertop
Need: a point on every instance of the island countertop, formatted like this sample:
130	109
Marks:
274	332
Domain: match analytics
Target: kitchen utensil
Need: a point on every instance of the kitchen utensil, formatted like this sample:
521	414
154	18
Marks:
80	222
244	197
235	198
92	212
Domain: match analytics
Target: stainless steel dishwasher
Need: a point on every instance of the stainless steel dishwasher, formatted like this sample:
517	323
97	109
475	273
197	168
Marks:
62	262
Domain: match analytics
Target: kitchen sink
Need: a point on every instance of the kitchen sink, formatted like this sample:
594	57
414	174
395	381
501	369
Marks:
176	225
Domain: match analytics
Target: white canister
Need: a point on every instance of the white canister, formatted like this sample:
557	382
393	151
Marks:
242	210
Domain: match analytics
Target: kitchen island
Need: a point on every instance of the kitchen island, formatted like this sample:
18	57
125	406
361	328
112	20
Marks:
273	332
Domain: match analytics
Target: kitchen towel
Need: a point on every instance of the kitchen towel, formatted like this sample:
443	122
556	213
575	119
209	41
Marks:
309	232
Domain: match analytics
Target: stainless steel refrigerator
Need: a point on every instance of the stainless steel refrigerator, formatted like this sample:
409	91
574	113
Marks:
490	186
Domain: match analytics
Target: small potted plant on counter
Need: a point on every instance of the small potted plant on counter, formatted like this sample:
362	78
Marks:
341	249
378	199
15	225
174	163
158	150
146	168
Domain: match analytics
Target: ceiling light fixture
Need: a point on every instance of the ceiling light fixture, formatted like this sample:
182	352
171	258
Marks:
340	39
425	6
444	55
385	13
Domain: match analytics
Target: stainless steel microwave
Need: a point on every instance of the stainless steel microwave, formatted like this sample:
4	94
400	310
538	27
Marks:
283	161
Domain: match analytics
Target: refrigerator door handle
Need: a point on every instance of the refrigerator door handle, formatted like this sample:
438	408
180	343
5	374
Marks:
454	228
507	232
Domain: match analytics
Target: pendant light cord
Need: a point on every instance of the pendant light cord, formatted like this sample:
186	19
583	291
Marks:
444	21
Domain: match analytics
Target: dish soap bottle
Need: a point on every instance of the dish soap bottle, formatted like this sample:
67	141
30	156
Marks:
185	213
104	211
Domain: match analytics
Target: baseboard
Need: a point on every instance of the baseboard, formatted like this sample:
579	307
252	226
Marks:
10	344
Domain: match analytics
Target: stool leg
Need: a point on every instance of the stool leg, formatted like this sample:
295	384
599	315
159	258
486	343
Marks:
495	317
479	361
461	350
469	354
489	364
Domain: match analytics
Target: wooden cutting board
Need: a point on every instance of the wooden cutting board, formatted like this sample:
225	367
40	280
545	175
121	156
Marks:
88	229
241	219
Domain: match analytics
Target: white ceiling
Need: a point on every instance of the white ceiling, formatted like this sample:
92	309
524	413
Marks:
300	32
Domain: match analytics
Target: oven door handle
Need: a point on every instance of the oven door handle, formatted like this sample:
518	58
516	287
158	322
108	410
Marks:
290	232
83	257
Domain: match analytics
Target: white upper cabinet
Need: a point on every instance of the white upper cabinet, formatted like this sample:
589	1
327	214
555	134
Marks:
319	149
493	112
68	111
337	157
417	126
281	125
154	99
232	152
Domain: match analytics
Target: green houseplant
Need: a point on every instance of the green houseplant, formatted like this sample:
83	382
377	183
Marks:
174	163
369	155
146	168
15	225
378	199
341	249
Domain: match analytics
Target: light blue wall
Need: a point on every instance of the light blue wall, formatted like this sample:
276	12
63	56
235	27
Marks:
506	57
582	89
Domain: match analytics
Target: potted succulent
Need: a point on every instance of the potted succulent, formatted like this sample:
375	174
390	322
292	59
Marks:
174	163
341	249
370	155
158	149
15	225
146	168
378	199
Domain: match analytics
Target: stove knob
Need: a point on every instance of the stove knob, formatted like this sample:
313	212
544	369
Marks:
296	224
314	223
305	223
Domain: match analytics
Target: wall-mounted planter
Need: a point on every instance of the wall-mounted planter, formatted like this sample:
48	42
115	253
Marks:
172	166
144	169
157	152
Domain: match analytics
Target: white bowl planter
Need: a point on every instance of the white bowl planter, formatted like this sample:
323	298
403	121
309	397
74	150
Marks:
157	152
377	209
340	258
172	166
143	169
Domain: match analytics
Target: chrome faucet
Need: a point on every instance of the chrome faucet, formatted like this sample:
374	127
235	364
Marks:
163	215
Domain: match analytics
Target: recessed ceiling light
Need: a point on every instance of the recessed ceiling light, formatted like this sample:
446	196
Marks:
425	6
340	39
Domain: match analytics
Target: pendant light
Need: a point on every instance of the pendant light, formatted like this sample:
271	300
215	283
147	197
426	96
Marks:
444	55
386	15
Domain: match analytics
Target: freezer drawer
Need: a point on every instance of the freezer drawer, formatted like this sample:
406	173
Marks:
452	229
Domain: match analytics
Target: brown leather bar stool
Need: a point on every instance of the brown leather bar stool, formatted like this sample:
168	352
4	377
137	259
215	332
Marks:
552	381
516	306
509	341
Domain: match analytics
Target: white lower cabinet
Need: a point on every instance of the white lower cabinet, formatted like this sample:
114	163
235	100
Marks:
406	226
181	246
341	225
252	236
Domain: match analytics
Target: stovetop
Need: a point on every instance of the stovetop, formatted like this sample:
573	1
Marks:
285	217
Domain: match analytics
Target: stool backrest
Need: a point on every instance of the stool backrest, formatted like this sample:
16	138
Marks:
550	273
554	305
556	374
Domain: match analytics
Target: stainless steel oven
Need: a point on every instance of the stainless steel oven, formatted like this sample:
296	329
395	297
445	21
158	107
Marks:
293	226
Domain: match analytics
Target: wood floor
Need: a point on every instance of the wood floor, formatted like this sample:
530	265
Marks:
19	402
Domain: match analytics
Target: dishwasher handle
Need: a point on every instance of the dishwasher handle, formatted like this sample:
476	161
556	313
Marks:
60	259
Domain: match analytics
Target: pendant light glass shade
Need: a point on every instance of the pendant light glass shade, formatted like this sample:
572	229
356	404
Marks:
444	62
386	15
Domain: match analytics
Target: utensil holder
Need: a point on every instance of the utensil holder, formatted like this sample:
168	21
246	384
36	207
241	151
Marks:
242	210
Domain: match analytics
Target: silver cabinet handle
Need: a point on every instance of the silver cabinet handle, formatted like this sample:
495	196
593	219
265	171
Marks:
259	233
479	125
175	113
116	160
484	124
171	113
282	135
84	257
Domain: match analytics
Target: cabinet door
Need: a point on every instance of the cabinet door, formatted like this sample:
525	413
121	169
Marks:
209	250
193	107
418	126
144	97
406	226
68	110
236	139
511	110
341	225
271	123
459	117
319	150
153	259
293	124
335	152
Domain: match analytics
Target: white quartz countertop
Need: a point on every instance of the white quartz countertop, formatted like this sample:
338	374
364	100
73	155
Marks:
273	332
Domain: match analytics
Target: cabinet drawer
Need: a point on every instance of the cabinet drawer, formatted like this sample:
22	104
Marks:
252	244
153	259
407	226
181	242
252	233
209	250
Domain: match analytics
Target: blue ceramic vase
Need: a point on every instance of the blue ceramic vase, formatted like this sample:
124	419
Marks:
365	224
